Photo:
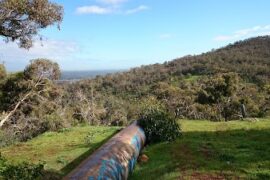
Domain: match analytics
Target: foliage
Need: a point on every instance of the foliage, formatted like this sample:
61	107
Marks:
213	85
216	85
42	68
2	164
207	86
3	72
91	135
7	137
21	20
220	91
23	170
89	138
159	126
150	104
31	101
11	89
216	88
54	122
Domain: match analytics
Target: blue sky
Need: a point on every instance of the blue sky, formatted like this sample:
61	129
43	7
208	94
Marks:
119	34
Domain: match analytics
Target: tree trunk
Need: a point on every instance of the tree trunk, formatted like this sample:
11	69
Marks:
243	111
14	110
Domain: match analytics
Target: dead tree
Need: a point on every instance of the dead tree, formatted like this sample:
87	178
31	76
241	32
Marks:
32	90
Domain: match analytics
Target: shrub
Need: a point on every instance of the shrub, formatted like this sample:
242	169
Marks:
7	137
54	122
159	126
24	170
89	138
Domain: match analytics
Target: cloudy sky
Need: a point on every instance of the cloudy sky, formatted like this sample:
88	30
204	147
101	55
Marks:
119	34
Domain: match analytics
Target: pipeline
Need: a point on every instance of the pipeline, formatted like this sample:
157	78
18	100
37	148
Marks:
115	159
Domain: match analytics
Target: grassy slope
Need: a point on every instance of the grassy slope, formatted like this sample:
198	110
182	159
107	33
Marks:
209	150
61	151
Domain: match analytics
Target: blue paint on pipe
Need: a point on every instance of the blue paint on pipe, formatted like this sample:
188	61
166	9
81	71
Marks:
115	159
116	172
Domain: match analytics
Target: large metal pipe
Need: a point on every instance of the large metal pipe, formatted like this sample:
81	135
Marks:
113	160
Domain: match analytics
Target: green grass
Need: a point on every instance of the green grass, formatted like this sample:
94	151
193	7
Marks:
206	150
61	151
192	78
211	150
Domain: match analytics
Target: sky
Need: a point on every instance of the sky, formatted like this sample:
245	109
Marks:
120	34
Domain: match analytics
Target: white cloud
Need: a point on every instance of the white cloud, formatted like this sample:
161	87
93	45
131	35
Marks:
254	31
109	7
137	9
17	58
165	36
114	2
223	38
93	10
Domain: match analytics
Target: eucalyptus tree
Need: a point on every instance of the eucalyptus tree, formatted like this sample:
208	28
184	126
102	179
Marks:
21	20
34	84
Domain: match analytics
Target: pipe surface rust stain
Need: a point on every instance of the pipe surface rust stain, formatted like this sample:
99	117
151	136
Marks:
113	160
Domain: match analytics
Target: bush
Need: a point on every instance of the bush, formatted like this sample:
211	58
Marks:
3	73
21	171
54	122
159	126
7	137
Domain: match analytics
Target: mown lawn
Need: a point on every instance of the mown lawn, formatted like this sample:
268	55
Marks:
60	151
211	150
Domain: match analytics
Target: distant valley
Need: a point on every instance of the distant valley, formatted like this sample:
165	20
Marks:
78	75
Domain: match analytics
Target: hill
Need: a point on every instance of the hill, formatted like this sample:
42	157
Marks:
216	85
226	84
249	58
229	83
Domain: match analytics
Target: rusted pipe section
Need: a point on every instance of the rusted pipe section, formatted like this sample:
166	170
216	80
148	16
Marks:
113	160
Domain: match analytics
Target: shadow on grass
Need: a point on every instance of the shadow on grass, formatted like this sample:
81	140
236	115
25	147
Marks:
210	155
72	165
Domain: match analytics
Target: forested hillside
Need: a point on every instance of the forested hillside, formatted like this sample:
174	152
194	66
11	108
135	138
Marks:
250	59
225	84
213	85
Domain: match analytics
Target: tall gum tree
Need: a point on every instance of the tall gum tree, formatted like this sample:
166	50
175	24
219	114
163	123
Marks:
36	79
21	20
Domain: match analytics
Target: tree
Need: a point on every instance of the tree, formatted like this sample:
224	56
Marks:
42	68
219	91
22	19
217	87
3	72
85	109
35	83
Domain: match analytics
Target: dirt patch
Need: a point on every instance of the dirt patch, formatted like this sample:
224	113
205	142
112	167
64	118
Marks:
51	151
22	147
185	157
189	166
182	151
143	159
207	152
201	176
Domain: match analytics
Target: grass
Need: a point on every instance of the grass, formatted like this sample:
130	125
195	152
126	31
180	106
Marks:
61	151
192	78
206	150
211	150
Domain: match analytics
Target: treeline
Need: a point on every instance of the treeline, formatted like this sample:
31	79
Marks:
248	58
225	84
